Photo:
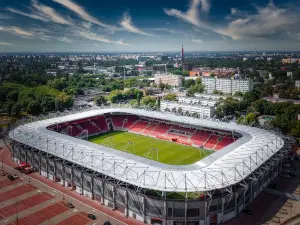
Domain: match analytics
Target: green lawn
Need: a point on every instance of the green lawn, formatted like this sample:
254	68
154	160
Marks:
168	152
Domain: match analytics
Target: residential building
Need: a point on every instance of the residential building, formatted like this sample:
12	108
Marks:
191	100
227	86
297	84
203	111
169	79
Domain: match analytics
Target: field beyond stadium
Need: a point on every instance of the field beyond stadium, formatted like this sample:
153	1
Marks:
151	148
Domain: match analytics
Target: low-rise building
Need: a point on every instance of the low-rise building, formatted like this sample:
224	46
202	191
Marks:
297	84
169	79
203	111
191	100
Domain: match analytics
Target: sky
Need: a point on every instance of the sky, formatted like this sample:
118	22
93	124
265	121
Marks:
149	25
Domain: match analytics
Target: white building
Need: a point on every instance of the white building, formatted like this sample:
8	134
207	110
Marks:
227	86
204	102
203	111
297	84
172	80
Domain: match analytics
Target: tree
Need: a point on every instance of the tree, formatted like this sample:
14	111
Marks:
7	106
16	109
170	97
48	104
115	96
100	100
148	101
34	108
295	131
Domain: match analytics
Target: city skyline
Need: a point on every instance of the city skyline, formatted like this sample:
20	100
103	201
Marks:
118	26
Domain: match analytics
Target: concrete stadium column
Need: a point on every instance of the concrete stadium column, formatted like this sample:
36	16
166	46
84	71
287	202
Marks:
185	212
63	174
82	177
114	197
12	151
72	176
92	187
236	195
26	156
54	170
47	167
126	203
40	164
165	208
223	203
144	209
251	191
102	192
206	216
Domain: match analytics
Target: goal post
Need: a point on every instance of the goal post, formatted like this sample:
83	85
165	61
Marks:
152	154
109	142
129	147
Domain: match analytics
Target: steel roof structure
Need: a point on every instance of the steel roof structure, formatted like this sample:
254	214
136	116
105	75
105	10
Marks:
222	169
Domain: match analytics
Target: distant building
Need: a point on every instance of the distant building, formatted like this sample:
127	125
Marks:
205	112
191	100
169	79
289	74
227	86
290	60
164	58
187	67
276	99
297	84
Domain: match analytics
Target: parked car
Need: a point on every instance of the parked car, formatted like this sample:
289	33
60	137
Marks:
92	216
107	223
70	205
12	177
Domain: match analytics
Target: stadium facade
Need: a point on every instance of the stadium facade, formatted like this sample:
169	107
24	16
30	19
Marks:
225	182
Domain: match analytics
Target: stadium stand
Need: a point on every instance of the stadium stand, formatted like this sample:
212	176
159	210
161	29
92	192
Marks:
138	127
223	143
174	133
199	138
118	120
211	142
129	121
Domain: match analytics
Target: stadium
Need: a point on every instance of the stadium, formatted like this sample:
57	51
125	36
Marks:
156	167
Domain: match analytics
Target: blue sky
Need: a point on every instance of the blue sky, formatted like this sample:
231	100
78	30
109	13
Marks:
150	25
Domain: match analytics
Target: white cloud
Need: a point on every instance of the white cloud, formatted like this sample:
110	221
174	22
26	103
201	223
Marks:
6	43
17	31
127	24
65	39
205	4
42	12
265	22
50	13
233	11
81	12
31	15
166	30
100	38
192	15
197	41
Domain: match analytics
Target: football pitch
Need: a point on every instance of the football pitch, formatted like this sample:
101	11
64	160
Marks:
167	152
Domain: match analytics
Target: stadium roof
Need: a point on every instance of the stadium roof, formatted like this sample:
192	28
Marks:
224	168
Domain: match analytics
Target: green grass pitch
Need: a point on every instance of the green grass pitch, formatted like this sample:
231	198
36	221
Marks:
168	152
